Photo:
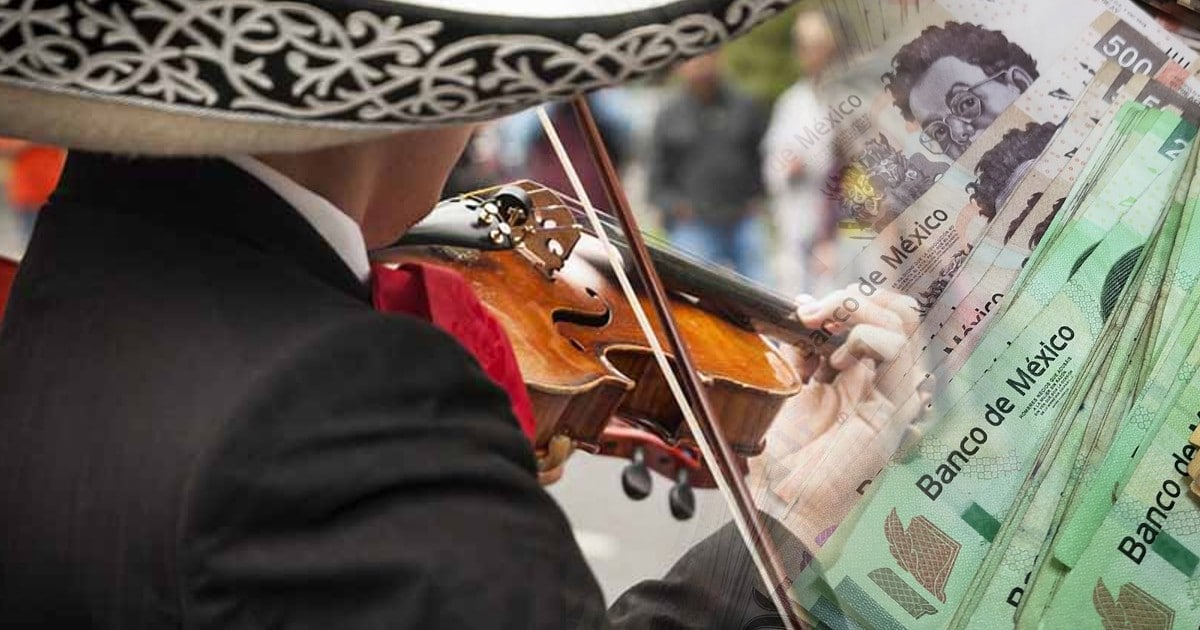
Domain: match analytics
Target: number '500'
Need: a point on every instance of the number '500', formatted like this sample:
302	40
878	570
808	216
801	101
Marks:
1127	56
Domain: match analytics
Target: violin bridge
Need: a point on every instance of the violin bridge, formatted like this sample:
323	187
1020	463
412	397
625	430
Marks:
549	241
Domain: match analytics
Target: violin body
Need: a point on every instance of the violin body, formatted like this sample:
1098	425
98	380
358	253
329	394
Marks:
589	369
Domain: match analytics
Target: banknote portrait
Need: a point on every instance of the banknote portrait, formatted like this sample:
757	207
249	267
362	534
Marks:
954	80
1039	230
1003	166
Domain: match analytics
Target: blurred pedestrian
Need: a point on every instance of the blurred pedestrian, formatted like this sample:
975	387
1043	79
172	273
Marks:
529	154
705	169
796	163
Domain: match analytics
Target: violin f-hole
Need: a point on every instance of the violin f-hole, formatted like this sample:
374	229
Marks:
580	318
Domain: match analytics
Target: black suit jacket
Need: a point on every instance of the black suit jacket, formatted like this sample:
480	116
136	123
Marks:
204	424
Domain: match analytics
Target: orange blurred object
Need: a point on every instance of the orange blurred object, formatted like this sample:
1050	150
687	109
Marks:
34	174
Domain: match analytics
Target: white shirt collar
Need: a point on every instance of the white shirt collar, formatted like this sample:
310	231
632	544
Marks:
338	229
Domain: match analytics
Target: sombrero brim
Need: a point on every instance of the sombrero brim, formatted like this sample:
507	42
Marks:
196	77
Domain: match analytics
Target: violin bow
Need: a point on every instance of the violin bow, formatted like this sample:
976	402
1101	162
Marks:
683	381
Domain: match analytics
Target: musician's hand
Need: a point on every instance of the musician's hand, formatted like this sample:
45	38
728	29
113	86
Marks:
552	465
832	438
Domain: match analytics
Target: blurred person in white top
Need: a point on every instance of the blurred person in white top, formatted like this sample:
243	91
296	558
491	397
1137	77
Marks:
795	167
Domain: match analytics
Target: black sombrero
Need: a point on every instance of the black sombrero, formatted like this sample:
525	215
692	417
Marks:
238	76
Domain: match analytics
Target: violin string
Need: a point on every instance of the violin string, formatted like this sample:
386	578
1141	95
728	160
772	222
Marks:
618	266
744	286
687	262
660	356
665	246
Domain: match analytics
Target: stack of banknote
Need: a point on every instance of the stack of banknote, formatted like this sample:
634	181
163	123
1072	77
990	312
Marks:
1053	250
1181	17
1184	10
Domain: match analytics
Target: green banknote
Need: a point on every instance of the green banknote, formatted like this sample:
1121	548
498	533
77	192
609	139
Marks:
1140	568
1140	146
1082	428
1088	507
938	508
1181	299
1104	461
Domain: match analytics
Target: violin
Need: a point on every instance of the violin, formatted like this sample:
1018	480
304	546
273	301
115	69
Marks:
587	365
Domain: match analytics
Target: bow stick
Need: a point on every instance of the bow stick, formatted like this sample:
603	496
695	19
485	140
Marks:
682	378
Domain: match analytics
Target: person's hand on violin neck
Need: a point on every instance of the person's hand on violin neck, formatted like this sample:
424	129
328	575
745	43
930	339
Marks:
841	386
838	432
877	328
874	332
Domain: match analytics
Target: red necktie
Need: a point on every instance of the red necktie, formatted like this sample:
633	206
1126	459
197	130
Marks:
443	298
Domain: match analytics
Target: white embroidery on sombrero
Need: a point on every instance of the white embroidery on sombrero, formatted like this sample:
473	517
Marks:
291	61
542	8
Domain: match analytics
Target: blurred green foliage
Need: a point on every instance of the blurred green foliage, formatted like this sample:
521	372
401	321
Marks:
761	62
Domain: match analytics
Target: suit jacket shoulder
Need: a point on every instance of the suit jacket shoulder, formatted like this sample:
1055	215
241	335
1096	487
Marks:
395	494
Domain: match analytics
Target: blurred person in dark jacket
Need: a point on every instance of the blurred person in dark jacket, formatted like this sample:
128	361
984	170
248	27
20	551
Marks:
705	169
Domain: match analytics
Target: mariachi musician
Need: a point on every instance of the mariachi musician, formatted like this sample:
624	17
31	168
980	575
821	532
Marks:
204	423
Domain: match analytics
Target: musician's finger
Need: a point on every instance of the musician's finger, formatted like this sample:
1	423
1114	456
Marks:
558	451
842	310
823	373
806	358
905	307
856	380
873	343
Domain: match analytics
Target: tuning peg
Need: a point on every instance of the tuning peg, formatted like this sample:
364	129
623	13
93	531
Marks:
515	202
500	234
682	499
635	479
513	195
